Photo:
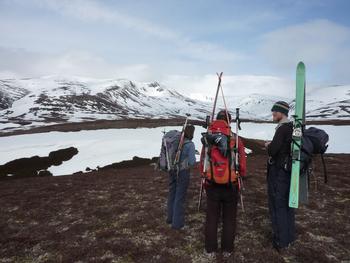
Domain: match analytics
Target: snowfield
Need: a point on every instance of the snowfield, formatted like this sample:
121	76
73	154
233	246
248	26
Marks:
103	147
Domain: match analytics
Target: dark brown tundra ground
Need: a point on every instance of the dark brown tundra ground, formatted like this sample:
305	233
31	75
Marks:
131	123
118	215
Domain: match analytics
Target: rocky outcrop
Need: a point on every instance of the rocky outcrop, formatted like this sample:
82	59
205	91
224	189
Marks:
36	165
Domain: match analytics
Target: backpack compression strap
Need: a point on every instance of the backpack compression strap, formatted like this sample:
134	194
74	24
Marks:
211	165
230	160
324	169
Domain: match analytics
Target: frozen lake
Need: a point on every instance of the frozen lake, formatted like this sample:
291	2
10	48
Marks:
103	147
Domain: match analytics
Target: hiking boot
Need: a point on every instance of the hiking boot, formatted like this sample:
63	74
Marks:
281	250
227	256
181	229
209	257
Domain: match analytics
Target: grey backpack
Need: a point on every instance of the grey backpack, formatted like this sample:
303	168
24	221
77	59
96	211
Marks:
170	144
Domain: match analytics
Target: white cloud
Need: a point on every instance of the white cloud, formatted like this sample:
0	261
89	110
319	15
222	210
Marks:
6	74
146	50
93	11
241	23
95	38
23	63
205	86
323	45
84	64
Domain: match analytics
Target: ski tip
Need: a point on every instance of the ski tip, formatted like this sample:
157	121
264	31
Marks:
301	65
219	74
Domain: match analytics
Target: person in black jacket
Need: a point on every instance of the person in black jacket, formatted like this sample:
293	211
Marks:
278	178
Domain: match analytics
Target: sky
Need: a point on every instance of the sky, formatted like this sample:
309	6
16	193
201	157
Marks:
180	43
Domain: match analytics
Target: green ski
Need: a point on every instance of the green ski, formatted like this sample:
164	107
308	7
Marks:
298	126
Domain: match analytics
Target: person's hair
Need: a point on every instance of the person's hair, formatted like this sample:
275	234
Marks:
222	115
189	131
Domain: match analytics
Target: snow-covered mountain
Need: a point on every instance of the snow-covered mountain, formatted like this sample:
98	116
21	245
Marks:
254	106
332	102
54	99
10	92
49	100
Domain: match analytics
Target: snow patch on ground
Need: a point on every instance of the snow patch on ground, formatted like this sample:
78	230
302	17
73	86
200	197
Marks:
103	147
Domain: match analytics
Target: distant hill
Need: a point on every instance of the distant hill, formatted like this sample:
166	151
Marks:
26	103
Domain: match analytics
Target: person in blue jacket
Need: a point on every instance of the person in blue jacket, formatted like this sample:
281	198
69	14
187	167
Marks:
179	181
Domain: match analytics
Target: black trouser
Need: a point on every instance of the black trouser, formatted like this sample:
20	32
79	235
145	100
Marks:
282	216
221	199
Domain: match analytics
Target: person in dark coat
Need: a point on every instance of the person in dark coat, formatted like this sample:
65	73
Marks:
278	178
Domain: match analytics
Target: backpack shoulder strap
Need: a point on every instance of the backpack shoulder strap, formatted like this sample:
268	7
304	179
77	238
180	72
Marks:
186	142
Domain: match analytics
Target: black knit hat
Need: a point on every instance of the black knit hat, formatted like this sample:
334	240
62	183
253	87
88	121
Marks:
281	106
222	115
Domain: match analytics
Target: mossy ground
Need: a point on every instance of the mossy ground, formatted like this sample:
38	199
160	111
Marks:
118	215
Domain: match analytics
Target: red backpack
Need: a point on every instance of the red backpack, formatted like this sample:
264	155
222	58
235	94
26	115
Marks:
217	156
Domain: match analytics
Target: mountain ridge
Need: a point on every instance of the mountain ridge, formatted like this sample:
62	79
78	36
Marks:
56	99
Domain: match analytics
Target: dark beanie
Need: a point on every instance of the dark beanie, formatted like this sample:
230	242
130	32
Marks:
222	115
189	131
281	106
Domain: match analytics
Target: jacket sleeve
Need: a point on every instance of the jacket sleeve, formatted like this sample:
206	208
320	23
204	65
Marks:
276	144
191	155
242	158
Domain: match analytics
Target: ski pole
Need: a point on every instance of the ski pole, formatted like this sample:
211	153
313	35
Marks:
239	178
205	162
200	194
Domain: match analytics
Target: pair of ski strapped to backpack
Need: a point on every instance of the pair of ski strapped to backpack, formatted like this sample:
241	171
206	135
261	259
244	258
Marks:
172	145
305	143
219	162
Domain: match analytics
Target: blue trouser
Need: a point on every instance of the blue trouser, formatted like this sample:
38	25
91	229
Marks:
282	216
177	196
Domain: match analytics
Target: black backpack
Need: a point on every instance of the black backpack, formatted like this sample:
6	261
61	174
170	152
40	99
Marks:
314	141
